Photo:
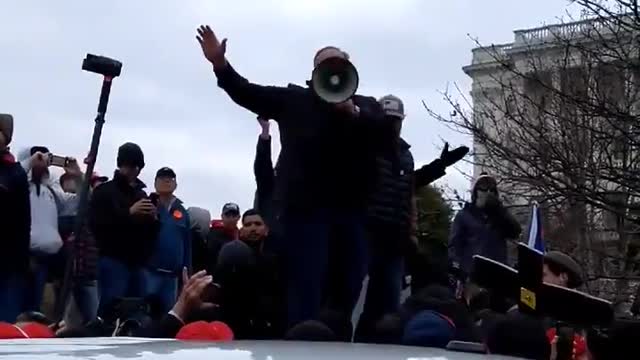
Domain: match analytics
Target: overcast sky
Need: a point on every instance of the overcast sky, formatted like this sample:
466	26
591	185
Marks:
167	100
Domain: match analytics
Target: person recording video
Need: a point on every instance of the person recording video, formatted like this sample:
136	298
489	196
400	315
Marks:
48	203
124	223
325	167
482	227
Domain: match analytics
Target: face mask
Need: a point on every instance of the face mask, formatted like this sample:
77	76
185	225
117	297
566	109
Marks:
481	198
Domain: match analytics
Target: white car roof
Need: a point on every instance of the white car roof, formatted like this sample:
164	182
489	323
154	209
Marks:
156	349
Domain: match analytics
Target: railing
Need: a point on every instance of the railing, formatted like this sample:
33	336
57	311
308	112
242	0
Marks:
574	30
492	53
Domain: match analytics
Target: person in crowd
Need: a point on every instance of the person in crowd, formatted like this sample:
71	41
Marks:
97	180
324	174
429	266
69	184
560	269
47	205
390	218
200	226
265	198
252	289
519	336
124	223
482	227
83	305
388	224
15	225
194	304
172	251
221	232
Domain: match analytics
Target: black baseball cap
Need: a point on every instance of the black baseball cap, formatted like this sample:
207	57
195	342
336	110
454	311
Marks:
231	208
166	172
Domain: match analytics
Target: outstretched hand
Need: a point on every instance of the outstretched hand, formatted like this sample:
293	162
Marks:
451	157
190	298
213	49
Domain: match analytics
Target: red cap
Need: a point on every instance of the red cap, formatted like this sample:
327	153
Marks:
37	331
10	331
204	331
217	224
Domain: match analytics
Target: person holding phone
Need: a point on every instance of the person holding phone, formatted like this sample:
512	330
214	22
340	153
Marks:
124	223
482	227
48	204
172	251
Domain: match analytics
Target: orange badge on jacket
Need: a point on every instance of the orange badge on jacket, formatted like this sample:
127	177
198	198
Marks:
177	214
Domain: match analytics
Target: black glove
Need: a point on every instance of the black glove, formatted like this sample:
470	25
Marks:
493	203
451	157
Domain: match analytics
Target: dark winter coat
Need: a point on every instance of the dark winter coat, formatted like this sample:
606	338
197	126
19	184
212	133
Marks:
390	200
15	216
482	232
327	157
120	235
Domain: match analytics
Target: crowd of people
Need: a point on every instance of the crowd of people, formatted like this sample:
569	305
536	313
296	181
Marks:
338	205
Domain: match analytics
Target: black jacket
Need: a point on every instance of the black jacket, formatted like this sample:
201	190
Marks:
390	201
429	173
264	200
119	234
216	239
327	157
15	216
252	296
483	232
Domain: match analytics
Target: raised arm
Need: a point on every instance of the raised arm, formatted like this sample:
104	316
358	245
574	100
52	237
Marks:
263	165
437	168
262	100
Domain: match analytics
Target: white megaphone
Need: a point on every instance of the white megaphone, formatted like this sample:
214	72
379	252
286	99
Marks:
335	80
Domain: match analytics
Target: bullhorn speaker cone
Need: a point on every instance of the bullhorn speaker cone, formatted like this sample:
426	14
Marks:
335	80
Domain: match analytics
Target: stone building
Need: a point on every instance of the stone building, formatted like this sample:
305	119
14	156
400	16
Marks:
538	64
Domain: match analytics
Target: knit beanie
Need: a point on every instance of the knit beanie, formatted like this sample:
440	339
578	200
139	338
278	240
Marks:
130	154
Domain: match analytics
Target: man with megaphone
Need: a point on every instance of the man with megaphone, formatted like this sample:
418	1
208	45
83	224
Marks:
330	138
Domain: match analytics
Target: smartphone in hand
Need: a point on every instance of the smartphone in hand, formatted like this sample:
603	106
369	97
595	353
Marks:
59	161
153	197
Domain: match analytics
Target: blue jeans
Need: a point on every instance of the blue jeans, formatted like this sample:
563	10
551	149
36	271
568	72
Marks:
36	280
11	296
383	292
313	241
87	300
117	280
163	287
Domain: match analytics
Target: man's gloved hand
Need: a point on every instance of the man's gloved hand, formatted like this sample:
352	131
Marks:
451	157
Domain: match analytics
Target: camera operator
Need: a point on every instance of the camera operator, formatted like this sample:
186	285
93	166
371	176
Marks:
482	227
15	226
324	172
47	205
124	223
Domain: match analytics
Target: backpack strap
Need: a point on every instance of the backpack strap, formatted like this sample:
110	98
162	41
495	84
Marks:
56	198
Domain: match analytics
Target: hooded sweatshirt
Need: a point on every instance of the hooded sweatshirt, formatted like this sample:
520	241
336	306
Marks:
47	200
